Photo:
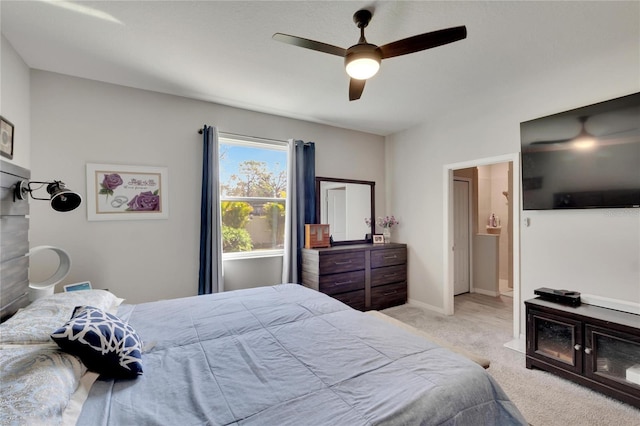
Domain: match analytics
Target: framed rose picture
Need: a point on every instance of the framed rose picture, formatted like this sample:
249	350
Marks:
6	138
117	192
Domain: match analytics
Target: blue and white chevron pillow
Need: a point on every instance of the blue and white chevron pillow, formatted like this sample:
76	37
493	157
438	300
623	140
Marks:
103	342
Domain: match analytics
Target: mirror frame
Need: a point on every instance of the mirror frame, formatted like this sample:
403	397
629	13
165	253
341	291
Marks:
373	204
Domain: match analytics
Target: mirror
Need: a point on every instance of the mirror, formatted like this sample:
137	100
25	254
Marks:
344	204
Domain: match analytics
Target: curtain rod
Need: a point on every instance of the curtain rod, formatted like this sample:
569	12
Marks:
228	134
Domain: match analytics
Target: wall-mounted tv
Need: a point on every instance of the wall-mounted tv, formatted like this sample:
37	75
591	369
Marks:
588	157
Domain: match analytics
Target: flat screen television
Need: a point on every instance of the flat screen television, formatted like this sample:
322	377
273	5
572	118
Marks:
588	157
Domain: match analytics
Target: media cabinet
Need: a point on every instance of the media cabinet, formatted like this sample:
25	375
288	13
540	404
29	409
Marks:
590	345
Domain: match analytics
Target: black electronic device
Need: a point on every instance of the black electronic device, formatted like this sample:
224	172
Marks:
564	297
583	158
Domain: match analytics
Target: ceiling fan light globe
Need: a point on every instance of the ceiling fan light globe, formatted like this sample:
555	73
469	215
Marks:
362	61
362	68
584	142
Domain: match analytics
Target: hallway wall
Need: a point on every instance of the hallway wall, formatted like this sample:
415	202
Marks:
492	182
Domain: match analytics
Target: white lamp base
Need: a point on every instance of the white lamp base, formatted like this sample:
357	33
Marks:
36	293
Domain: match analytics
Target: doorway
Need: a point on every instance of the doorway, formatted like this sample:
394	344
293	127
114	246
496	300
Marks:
449	220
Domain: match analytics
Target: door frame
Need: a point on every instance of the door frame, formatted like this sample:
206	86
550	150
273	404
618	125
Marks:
447	171
470	225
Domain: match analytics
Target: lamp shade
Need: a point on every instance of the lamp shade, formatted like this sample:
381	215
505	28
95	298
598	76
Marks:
63	199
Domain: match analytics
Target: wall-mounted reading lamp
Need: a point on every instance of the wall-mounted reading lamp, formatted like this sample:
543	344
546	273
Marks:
62	199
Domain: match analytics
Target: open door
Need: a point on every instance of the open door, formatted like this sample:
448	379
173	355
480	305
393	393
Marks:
461	236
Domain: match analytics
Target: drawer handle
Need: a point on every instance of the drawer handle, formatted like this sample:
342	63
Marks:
342	282
390	293
391	257
343	263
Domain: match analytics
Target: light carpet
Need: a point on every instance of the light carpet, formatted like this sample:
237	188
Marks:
543	399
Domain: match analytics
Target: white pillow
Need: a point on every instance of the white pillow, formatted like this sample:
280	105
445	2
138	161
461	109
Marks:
36	322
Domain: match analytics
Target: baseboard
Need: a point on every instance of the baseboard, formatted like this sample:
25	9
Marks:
518	344
486	292
426	306
606	302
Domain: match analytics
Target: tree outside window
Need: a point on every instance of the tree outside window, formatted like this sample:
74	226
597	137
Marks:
253	195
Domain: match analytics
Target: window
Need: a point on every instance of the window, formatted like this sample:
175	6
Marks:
253	184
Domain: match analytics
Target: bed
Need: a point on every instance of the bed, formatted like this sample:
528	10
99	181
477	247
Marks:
277	355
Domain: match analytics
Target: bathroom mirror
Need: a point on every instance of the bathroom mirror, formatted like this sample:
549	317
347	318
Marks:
344	204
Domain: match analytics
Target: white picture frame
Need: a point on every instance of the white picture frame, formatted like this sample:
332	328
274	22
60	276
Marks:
124	192
86	285
378	239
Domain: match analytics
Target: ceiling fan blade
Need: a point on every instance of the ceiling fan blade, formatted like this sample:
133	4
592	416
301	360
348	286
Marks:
310	44
550	142
423	41
355	89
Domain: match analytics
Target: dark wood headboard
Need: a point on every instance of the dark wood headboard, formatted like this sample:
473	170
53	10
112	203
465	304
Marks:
14	242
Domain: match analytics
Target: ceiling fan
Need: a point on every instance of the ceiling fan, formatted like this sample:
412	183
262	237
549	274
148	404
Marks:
362	60
583	139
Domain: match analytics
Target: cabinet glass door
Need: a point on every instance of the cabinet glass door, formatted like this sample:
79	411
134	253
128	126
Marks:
556	340
613	357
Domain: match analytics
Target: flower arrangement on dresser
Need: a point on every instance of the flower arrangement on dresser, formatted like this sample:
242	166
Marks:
386	223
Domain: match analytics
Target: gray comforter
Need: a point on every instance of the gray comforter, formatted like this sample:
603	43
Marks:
287	355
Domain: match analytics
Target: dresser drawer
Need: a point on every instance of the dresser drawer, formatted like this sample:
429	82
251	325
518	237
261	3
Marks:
388	257
386	296
341	283
341	262
355	299
388	275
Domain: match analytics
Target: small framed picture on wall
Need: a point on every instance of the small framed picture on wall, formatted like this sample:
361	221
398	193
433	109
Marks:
378	239
6	138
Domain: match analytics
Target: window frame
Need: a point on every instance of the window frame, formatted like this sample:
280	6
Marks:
261	143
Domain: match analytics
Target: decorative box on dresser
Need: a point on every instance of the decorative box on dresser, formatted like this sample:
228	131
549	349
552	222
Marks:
364	276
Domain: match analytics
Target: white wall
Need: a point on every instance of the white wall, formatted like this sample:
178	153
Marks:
595	252
15	102
492	181
77	121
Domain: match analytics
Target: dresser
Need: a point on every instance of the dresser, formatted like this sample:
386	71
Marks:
364	276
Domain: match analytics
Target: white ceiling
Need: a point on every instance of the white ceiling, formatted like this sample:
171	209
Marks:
222	51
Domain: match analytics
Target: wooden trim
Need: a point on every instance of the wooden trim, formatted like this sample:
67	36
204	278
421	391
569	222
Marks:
14	242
